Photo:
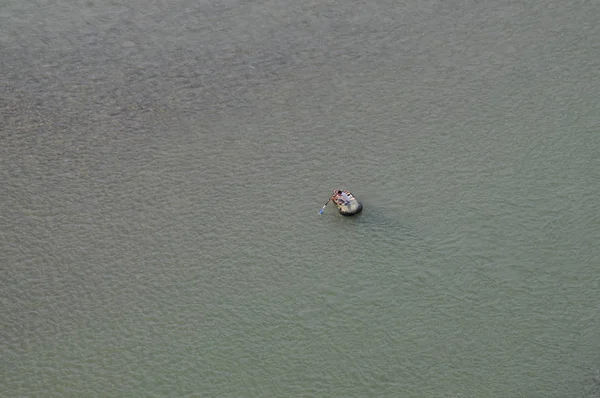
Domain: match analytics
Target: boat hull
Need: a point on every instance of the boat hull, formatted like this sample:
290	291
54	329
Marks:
352	208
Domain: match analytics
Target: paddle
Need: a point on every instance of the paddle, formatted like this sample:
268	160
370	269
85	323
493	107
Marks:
323	208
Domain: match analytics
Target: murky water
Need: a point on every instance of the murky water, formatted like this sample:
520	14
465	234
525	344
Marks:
162	166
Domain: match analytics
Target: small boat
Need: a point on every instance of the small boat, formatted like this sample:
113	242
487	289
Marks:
351	208
345	202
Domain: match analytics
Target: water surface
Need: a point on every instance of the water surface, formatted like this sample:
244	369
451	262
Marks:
153	242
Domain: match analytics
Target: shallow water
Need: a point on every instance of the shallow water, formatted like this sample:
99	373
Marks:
163	165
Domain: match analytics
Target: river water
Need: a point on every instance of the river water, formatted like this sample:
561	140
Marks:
162	165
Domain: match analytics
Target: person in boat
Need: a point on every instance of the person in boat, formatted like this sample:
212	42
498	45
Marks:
345	202
341	197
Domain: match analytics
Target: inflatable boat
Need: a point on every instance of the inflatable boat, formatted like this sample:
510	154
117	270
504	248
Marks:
345	202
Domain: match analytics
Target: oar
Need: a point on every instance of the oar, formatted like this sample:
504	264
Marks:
323	208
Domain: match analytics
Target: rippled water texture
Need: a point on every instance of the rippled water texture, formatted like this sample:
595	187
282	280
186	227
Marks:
162	165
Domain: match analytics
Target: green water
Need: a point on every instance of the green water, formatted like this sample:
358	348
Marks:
162	165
